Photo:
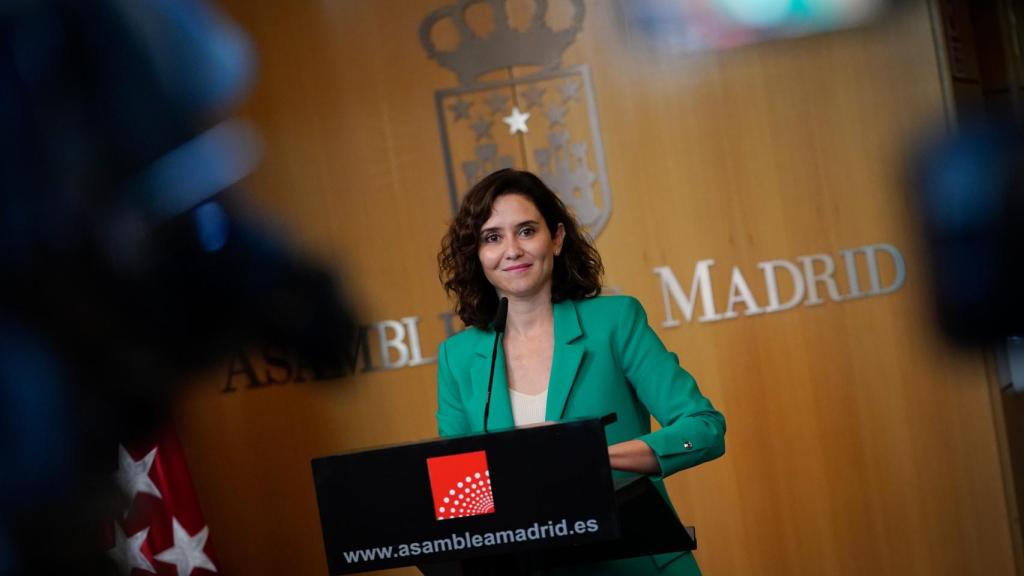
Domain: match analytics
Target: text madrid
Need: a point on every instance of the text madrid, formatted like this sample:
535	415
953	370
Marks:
807	280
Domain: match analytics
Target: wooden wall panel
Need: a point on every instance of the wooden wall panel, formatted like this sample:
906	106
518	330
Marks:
858	442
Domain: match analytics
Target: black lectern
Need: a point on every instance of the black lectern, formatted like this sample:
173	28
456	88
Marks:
505	502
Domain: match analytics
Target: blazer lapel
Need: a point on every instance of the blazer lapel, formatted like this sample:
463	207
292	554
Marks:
566	359
501	408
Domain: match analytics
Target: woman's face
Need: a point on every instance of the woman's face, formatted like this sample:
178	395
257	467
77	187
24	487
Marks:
516	249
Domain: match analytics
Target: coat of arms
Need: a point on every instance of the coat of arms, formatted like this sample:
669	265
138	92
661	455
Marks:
544	120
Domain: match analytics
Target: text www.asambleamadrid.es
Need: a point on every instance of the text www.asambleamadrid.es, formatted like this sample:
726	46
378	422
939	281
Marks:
467	540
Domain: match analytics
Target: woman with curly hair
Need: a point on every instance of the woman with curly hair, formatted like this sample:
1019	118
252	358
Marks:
567	353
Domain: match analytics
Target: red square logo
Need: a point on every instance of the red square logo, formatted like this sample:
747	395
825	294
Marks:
461	485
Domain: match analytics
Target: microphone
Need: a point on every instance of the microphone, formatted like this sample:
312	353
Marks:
499	327
501	315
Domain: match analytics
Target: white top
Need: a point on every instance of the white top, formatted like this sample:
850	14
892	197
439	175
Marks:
528	408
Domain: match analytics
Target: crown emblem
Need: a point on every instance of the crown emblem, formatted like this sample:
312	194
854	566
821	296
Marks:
544	121
537	45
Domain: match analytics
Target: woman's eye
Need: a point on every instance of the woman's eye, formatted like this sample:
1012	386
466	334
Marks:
526	232
490	238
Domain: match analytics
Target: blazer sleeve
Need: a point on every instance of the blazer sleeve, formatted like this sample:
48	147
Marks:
451	414
692	430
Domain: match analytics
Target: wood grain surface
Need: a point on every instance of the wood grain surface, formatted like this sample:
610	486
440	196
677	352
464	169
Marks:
858	441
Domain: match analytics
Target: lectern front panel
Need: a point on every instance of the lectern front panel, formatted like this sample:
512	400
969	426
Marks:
532	488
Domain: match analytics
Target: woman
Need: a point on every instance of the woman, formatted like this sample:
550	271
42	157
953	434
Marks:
567	353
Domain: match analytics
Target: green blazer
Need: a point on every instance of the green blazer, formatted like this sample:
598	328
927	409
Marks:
606	359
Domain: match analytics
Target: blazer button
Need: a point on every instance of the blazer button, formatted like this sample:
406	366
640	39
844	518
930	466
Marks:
688	445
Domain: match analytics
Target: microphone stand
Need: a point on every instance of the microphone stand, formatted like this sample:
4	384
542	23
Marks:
499	327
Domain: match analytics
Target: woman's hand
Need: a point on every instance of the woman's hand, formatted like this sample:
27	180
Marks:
633	456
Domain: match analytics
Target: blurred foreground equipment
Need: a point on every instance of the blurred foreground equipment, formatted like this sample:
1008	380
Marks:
126	262
971	190
684	26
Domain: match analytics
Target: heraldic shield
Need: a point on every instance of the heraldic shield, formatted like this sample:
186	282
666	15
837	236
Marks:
544	121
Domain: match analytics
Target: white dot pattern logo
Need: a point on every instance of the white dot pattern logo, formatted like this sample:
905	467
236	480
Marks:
460	485
474	499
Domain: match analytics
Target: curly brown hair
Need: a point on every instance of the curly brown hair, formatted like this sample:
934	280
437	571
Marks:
577	270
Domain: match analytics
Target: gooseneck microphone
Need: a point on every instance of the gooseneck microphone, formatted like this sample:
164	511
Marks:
499	328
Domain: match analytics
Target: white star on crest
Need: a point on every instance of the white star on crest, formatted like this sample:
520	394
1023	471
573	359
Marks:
133	476
127	552
516	121
187	553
